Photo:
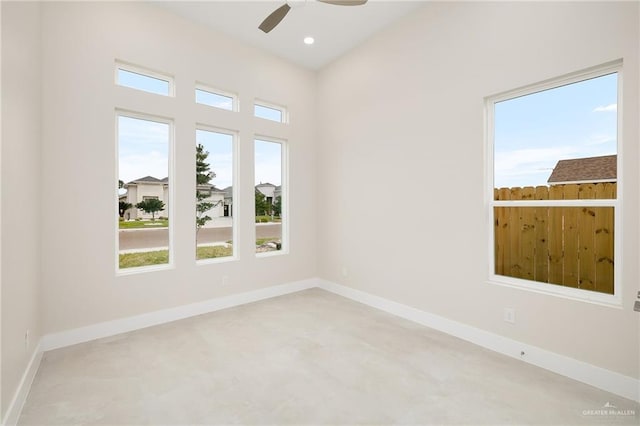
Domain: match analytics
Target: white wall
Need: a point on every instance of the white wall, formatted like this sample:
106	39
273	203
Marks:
81	42
21	212
403	115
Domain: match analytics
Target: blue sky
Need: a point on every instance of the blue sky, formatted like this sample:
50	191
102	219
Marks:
143	82
213	99
143	149
220	159
268	162
533	132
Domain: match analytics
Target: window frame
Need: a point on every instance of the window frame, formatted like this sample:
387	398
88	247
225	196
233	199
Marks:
612	300
235	106
283	110
235	193
284	200
120	112
146	72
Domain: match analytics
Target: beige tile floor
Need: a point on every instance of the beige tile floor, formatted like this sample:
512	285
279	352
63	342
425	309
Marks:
307	358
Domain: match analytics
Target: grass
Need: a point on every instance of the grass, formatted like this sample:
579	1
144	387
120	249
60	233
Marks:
265	219
160	257
132	260
261	241
133	224
211	252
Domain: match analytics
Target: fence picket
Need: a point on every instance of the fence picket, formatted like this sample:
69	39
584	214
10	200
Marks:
515	235
586	236
541	216
527	235
570	246
555	237
604	237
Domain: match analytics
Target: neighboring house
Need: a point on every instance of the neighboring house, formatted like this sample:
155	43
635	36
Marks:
585	170
277	192
143	189
228	201
216	197
268	190
151	187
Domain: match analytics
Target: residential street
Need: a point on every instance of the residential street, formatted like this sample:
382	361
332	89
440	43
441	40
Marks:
131	239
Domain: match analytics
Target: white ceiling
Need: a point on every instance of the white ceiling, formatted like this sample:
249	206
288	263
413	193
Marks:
336	29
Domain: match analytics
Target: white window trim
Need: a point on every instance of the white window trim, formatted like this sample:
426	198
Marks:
236	199
235	107
284	210
281	108
126	66
170	208
614	300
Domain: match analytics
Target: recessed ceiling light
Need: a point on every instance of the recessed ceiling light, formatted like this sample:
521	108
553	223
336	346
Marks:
308	40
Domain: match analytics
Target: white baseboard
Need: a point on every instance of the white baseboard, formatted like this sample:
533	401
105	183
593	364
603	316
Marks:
607	380
112	328
20	397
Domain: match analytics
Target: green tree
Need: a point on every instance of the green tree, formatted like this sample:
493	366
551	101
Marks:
277	206
262	206
152	205
203	172
123	206
203	177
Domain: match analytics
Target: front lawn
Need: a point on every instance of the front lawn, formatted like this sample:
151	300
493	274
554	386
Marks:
137	224
266	219
159	257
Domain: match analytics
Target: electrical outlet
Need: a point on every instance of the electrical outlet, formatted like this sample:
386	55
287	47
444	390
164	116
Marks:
510	315
225	280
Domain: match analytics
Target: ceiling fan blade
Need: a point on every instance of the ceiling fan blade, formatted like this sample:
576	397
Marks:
274	19
344	2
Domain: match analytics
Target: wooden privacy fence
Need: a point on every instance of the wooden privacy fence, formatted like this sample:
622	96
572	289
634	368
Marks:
570	246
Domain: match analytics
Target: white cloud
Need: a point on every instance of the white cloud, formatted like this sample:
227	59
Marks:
528	167
606	108
600	140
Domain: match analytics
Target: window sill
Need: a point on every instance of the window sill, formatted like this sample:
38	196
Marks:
576	294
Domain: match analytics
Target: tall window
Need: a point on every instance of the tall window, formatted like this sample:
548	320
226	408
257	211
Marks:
554	185
270	195
214	194
143	191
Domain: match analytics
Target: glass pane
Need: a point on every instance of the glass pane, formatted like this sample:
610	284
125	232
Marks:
267	113
268	195
214	99
143	194
214	194
568	246
143	82
566	135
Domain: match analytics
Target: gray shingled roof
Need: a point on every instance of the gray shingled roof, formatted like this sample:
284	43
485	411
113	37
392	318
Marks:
150	179
585	170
